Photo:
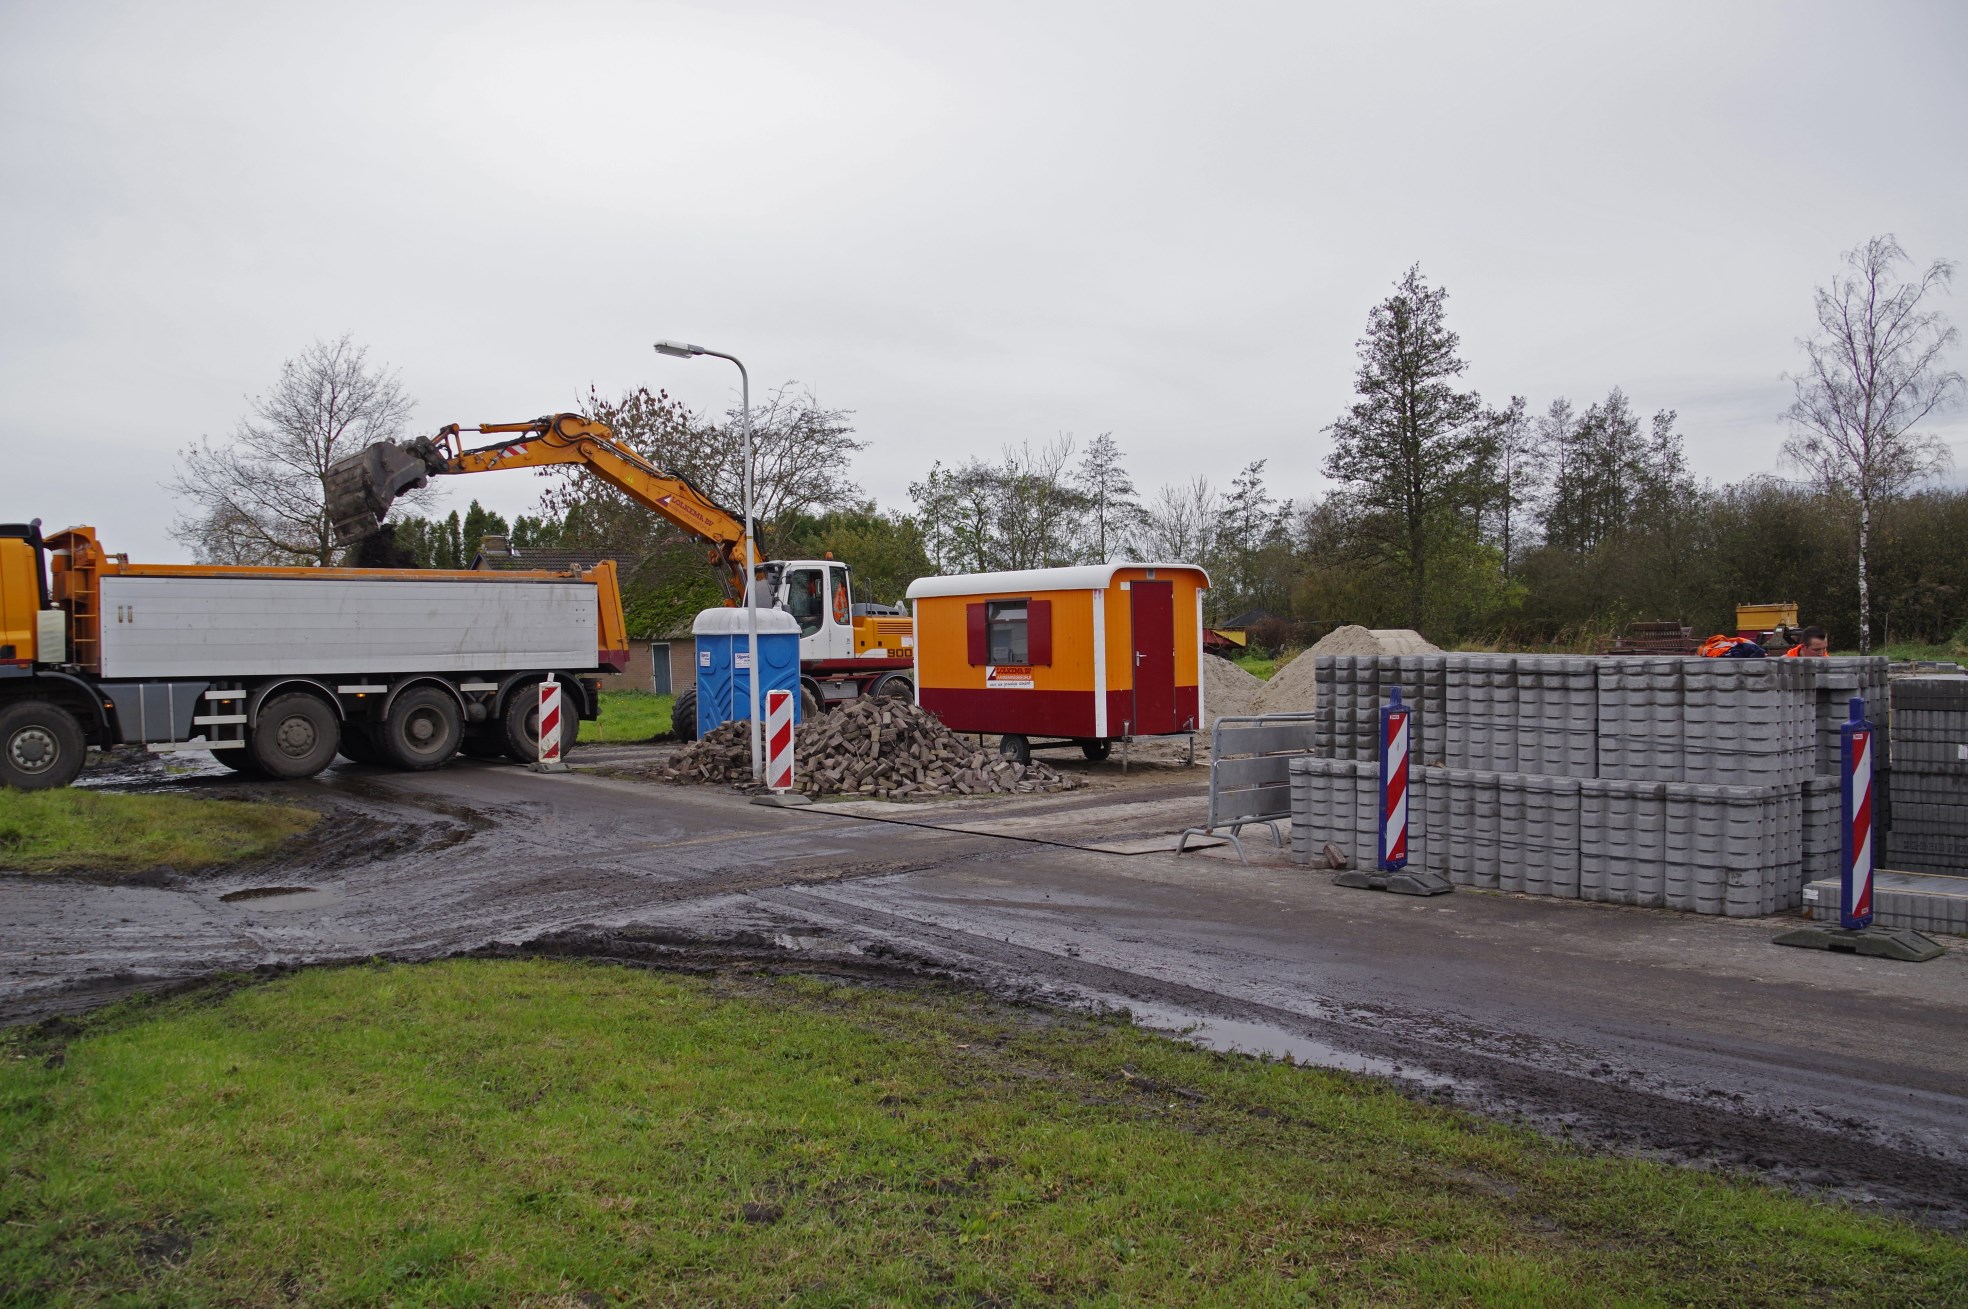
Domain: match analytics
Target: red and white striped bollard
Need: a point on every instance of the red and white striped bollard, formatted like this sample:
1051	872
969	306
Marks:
551	721
779	741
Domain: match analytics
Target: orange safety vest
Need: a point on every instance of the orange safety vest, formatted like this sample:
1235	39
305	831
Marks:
840	603
1717	646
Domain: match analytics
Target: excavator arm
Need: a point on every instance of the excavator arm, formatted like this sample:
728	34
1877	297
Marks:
362	486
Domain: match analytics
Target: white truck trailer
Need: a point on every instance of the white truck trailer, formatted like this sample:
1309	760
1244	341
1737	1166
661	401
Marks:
276	670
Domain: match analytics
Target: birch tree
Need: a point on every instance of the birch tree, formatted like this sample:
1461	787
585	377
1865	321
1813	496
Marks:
1874	371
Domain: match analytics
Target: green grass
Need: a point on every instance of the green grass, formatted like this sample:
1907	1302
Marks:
1259	665
629	716
69	830
534	1133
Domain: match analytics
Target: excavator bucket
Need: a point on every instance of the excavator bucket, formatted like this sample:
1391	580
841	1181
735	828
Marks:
362	487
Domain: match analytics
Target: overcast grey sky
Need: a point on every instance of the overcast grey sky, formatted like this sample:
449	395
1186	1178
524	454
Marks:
971	225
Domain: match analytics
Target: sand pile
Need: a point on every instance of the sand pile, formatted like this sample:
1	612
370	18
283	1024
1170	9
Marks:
1404	641
1228	689
877	746
1294	689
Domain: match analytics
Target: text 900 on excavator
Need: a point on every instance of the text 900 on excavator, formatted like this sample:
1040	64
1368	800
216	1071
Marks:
848	648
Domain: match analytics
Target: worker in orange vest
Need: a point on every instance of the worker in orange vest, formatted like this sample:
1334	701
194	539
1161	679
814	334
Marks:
1812	644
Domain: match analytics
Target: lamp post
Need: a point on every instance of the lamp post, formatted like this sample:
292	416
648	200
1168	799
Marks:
683	350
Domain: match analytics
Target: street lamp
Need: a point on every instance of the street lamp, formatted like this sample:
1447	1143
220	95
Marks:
683	350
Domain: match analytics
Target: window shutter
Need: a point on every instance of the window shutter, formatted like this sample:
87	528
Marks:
1038	631
980	637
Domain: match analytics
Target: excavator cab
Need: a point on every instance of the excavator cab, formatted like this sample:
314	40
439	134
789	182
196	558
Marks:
819	594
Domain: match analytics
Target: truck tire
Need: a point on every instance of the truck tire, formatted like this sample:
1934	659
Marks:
899	685
519	725
423	729
683	716
240	761
359	744
294	735
41	746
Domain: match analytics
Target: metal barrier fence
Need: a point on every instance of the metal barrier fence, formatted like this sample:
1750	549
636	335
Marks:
1250	781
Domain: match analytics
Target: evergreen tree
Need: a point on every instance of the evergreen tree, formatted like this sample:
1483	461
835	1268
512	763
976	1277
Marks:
1410	455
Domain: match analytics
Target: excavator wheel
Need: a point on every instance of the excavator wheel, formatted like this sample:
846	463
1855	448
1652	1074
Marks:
683	716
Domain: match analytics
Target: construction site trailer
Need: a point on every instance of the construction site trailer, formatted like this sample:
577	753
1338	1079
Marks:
1094	654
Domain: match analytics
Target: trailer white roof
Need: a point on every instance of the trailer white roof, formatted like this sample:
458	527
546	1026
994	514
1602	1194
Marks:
1087	577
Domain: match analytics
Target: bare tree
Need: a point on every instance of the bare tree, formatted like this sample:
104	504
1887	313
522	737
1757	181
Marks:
1874	371
1180	524
260	498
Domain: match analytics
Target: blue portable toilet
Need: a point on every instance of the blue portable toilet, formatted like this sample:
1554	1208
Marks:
724	676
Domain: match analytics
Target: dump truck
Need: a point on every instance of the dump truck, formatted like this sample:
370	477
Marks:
277	670
848	648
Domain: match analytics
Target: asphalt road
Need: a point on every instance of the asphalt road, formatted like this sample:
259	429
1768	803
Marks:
1687	1038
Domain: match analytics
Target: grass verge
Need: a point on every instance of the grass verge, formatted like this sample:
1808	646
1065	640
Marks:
1260	665
629	716
561	1133
71	830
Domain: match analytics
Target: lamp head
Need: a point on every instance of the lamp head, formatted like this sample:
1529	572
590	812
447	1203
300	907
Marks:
678	349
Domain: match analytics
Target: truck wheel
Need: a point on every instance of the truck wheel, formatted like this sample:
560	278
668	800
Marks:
296	735
240	761
810	702
897	685
40	746
683	716
1015	748
423	729
519	726
359	744
1095	751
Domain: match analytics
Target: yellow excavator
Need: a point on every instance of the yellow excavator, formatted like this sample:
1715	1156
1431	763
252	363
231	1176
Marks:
848	648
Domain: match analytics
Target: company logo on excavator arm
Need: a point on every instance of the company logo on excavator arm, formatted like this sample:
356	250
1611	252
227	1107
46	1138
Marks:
684	509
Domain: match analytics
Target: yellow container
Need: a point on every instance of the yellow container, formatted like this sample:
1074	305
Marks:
1754	620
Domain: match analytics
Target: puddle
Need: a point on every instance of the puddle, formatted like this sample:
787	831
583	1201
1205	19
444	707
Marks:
1234	1037
281	899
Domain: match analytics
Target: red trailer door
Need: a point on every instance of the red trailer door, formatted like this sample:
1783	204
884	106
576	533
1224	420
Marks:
1153	607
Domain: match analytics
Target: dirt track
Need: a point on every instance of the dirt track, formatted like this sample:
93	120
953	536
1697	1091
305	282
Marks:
1688	1038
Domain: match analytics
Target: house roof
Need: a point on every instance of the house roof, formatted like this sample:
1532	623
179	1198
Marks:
526	557
1087	577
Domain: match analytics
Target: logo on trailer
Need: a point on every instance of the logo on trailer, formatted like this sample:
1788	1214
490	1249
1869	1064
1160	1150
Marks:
1017	677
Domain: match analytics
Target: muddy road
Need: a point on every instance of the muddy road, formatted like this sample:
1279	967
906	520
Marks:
1659	1033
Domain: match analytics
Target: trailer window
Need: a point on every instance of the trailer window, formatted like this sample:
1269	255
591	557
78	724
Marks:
1007	624
806	598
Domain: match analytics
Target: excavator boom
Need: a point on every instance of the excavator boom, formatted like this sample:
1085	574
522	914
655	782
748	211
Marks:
362	486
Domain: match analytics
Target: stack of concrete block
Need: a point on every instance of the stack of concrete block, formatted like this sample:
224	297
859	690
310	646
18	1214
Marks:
1334	802
1702	785
1641	719
1928	783
1748	722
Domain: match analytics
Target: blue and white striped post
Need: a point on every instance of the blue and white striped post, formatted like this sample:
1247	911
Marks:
1856	833
1393	783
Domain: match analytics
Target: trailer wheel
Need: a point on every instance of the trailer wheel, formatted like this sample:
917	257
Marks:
1095	751
683	715
423	729
897	685
519	726
40	746
296	735
1015	748
359	744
